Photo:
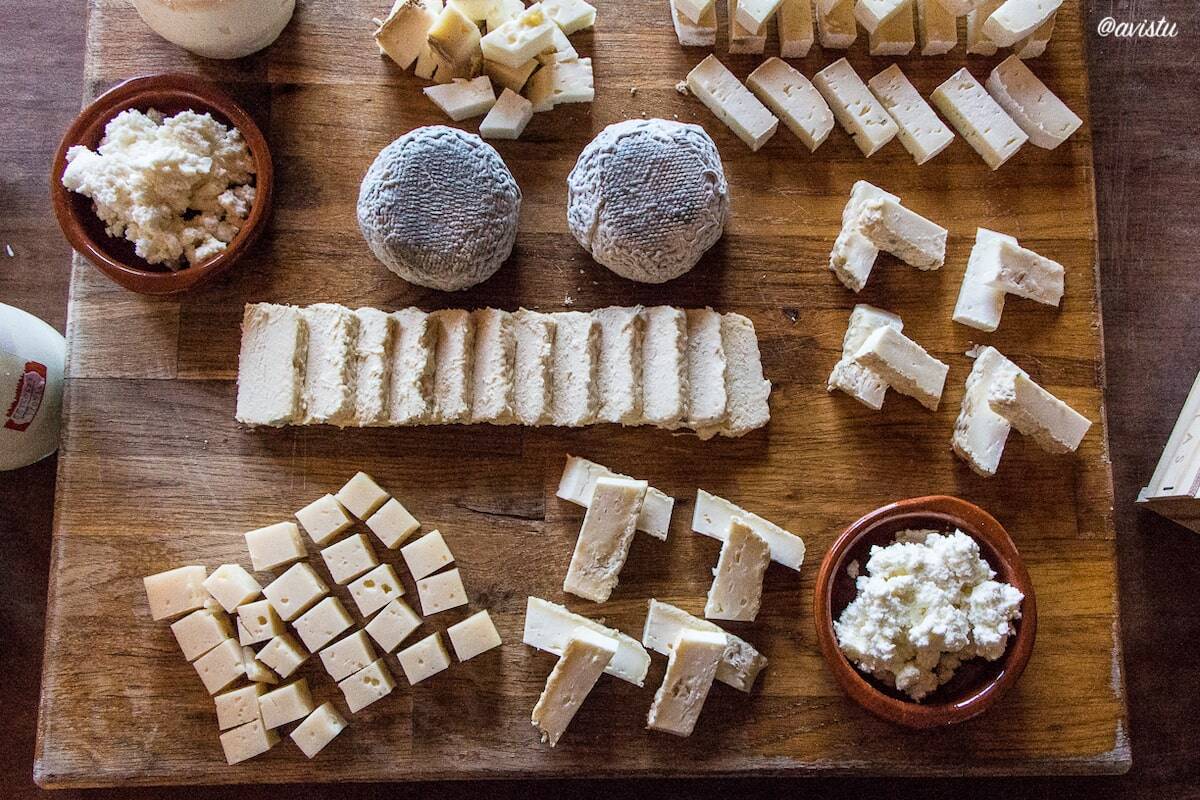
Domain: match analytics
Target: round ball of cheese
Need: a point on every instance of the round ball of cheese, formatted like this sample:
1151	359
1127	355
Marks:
648	197
439	208
217	28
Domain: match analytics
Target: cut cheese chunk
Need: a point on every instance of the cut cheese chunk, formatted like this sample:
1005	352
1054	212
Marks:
463	99
176	591
455	39
713	516
330	364
288	703
533	394
473	636
410	396
905	365
855	107
1036	109
741	38
324	519
274	546
795	24
1034	412
238	707
508	118
694	10
586	656
895	36
794	100
521	38
578	485
491	382
402	36
392	524
513	78
475	10
426	555
937	28
362	496
424	659
430	66
980	433
753	14
1034	45
701	32
921	132
271	365
604	539
980	304
691	667
221	666
960	8
574	364
201	631
978	42
247	741
904	233
549	627
393	625
619	374
561	82
259	621
373	682
853	256
747	390
561	50
836	26
453	368
740	663
664	366
256	671
441	592
376	589
318	729
231	586
707	402
283	654
349	558
848	375
502	11
295	591
570	15
372	366
979	118
323	623
1016	19
736	591
1022	272
872	14
731	102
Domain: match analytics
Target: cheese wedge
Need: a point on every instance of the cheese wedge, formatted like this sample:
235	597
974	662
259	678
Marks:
740	664
584	659
691	668
604	539
549	627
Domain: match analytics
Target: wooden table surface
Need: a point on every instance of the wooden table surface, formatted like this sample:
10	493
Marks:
1143	124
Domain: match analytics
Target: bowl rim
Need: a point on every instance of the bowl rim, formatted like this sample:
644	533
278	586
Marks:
978	524
131	93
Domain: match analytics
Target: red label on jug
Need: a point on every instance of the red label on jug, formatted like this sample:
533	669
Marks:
31	388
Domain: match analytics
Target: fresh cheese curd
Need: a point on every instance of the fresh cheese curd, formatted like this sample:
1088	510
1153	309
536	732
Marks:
925	604
177	187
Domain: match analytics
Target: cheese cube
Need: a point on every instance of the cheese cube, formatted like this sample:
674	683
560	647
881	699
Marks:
836	26
474	635
426	555
869	125
330	365
895	37
905	365
403	34
175	591
255	670
1036	109
714	515
533	396
521	38
979	432
691	668
920	130
570	15
794	100
853	256
701	32
664	366
741	38
740	664
474	10
283	654
232	586
463	99
349	558
1013	20
561	82
560	50
259	621
507	119
392	523
286	704
392	625
243	636
374	342
694	10
492	376
619	373
872	14
795	22
513	78
1035	43
361	496
549	627
753	14
346	657
376	589
978	42
904	233
201	631
424	659
732	103
584	659
247	741
324	518
220	666
937	28
578	485
430	66
575	359
736	591
746	389
453	365
270	383
322	623
238	706
707	399
295	591
410	396
1035	412
274	546
455	39
604	539
1022	272
979	118
502	11
852	378
441	592
318	729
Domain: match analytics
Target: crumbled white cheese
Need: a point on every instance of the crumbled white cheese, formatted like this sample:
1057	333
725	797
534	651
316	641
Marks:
927	603
177	187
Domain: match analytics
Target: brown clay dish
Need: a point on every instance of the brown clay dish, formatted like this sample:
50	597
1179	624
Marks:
170	94
978	684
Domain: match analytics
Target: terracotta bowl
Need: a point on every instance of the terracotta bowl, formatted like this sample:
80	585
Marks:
978	684
115	257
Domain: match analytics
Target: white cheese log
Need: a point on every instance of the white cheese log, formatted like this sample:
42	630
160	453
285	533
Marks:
578	484
740	663
549	626
271	365
731	102
1039	112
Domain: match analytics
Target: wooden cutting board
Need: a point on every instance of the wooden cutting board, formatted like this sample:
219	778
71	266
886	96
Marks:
154	472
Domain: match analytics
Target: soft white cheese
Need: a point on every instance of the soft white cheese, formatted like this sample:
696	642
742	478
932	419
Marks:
1034	107
867	122
731	102
979	118
921	132
851	377
794	99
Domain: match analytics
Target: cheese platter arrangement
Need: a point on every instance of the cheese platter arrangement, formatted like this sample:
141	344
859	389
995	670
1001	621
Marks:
504	392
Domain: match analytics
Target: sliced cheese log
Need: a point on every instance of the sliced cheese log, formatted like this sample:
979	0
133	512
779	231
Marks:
741	662
895	36
867	122
731	102
747	390
979	118
691	667
741	38
619	374
583	661
533	370
980	433
937	28
694	10
700	32
905	365
1039	112
578	484
851	377
978	42
960	8
921	132
1034	45
1020	271
853	255
980	304
753	14
706	368
604	538
713	516
664	366
492	366
410	393
330	365
575	359
793	99
1013	20
453	365
836	27
549	627
795	25
736	591
271	365
1035	412
871	14
904	233
372	366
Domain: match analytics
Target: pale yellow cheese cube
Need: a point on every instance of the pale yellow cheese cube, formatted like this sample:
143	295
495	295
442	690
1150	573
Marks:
318	729
231	585
286	704
424	659
201	631
275	546
519	39
221	666
392	625
324	518
256	670
322	623
392	524
369	684
283	654
295	591
474	635
259	621
362	496
426	555
376	589
348	656
176	591
349	558
247	741
238	706
442	591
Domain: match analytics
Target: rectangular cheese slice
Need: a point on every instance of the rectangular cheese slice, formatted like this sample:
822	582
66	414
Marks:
664	366
895	37
1035	412
519	39
561	82
549	627
836	26
373	366
979	118
713	516
508	118
741	38
1016	19
604	539
619	374
462	99
492	377
848	375
753	14
1020	271
740	664
736	591
575	360
979	432
410	394
795	24
1036	109
905	365
793	99
731	102
584	659
706	367
921	131
694	10
869	125
455	38
271	365
980	304
402	36
700	32
747	391
853	256
904	233
872	14
453	368
1034	45
937	28
691	668
513	78
533	379
578	484
978	42
330	365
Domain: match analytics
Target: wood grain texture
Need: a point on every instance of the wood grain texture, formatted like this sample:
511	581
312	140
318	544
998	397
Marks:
155	473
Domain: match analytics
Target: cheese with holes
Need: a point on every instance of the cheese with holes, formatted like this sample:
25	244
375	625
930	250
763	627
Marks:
502	11
349	558
283	654
323	623
318	729
288	703
713	516
578	485
295	591
424	659
980	304
231	586
561	82
1016	19
426	555
330	364
221	666
604	538
176	591
260	622
740	663
508	117
410	394
392	523
533	363
980	433
324	519
905	365
903	233
691	668
795	25
570	15
271	365
257	671
836	26
347	656
474	635
462	99
200	631
793	99
549	626
1035	412
937	28
854	379
979	118
731	102
921	131
853	255
1036	109
239	706
664	366
521	38
1020	271
619	373
736	591
441	592
700	32
584	659
869	125
391	626
373	682
247	741
707	397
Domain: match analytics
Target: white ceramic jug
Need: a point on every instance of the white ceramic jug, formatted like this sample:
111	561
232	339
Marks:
32	358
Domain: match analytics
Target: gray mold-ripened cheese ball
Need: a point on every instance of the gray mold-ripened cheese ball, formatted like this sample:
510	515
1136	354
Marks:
439	208
648	197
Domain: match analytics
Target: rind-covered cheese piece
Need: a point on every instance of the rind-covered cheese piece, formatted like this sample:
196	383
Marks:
604	538
795	25
1039	112
707	396
691	668
454	37
694	10
664	366
585	657
578	484
576	356
492	366
904	233
271	365
853	256
895	36
979	432
740	663
410	394
848	375
462	99
619	374
867	122
794	100
549	626
979	118
747	391
921	132
453	368
513	78
731	102
937	28
1020	271
402	36
1034	45
533	379
753	14
701	32
980	304
736	591
372	366
1035	412
905	365
1016	19
713	516
836	26
330	365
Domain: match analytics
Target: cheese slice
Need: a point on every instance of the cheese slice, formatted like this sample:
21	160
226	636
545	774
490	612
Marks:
795	25
747	391
1035	412
905	365
848	375
271	365
664	366
561	82
855	107
619	374
793	99
706	367
533	366
980	304
373	366
475	10
753	14
960	8
1037	110
508	118
1016	19
979	118
895	36
1034	45
921	132
871	14
980	433
694	10
713	516
937	28
904	233
836	26
573	369
584	659
492	365
1022	272
741	38
410	393
731	102
978	42
740	663
549	627
604	539
691	668
578	484
453	370
463	99
562	50
701	32
330	365
519	39
736	591
402	36
853	255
